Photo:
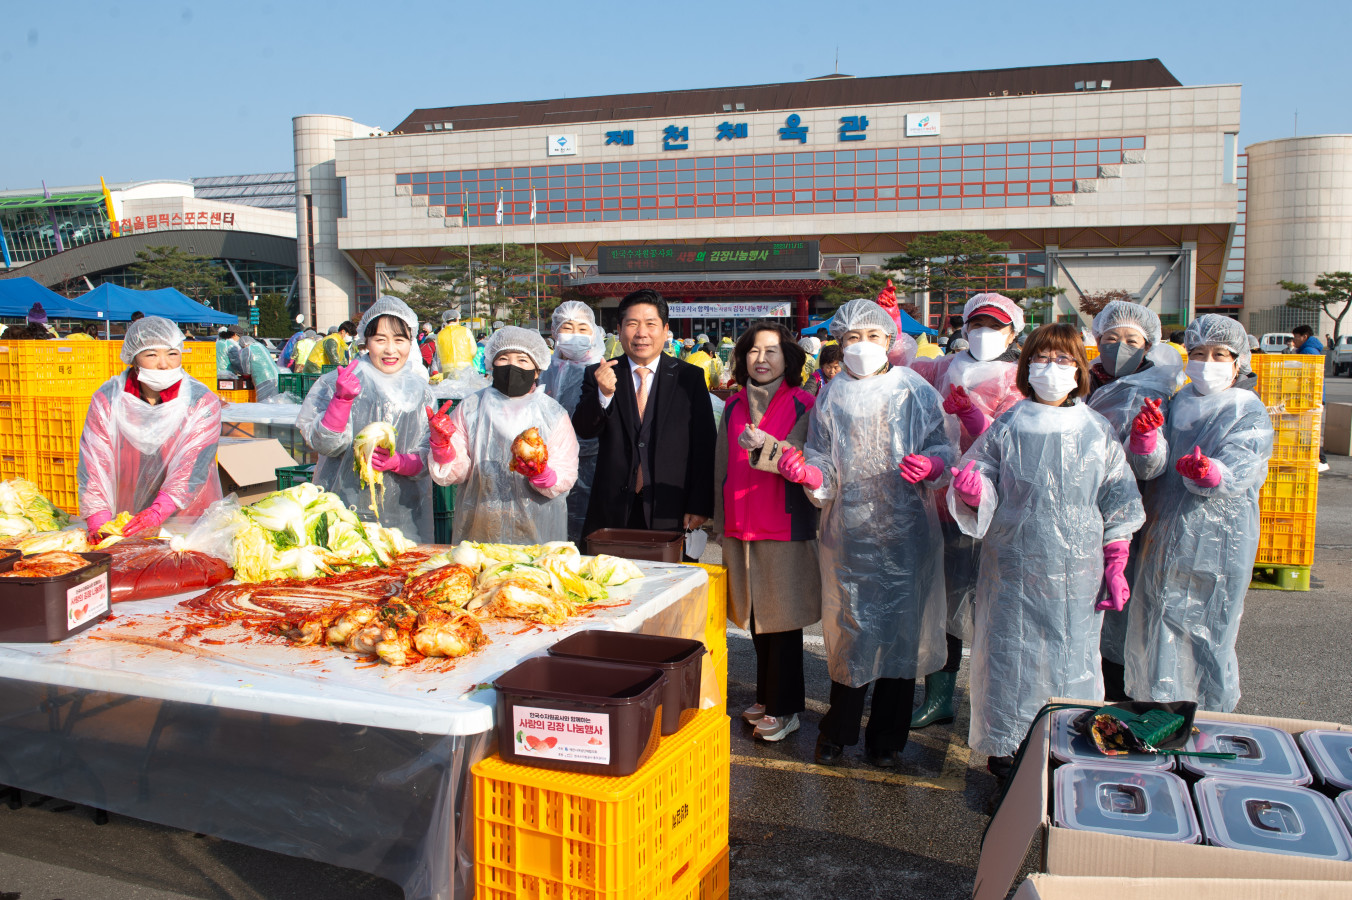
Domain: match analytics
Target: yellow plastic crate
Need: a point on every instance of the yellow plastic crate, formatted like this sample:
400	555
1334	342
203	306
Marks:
1290	489
716	625
199	361
1091	351
720	664
16	465
1286	540
545	834
51	368
713	882
57	423
15	430
1296	437
1291	382
236	396
54	474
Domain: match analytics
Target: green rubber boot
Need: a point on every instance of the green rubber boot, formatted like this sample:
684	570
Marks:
938	708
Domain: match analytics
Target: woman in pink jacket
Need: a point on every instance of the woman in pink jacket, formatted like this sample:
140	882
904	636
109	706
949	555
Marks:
767	525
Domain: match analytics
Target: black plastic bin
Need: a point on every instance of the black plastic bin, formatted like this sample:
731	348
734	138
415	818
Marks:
38	610
681	658
631	543
577	715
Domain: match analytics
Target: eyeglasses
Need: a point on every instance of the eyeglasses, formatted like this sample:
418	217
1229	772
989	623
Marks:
1043	358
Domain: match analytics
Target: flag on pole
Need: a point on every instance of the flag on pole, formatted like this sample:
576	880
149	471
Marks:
108	204
499	207
532	204
464	214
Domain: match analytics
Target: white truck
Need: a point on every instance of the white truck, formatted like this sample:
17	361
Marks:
1341	355
1275	341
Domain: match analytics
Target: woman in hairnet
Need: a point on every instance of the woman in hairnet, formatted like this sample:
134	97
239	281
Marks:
1132	367
1209	460
878	448
578	343
251	358
379	385
149	440
1047	490
494	503
977	384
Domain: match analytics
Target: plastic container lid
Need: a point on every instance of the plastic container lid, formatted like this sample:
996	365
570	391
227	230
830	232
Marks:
1330	755
1141	803
1271	818
1263	752
1344	804
1069	746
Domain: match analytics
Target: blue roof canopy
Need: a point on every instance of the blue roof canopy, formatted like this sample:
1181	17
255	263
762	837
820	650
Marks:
908	326
17	296
118	303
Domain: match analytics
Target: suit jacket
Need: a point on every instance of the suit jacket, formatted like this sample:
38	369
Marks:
679	452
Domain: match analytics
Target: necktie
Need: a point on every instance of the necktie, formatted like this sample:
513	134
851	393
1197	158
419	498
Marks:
642	405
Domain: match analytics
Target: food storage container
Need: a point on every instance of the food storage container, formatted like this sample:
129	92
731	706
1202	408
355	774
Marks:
680	658
38	610
1141	803
631	543
1069	746
1266	816
1330	756
1261	752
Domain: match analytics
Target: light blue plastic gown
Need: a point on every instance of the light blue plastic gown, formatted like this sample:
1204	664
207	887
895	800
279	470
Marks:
1197	554
254	360
1055	490
882	559
401	400
1119	402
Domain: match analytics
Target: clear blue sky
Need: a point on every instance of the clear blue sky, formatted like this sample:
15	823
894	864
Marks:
137	89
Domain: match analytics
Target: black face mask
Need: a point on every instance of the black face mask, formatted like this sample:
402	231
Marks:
1121	359
513	381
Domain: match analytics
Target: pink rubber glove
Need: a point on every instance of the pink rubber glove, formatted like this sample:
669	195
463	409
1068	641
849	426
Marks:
1145	428
440	426
959	404
795	468
967	484
545	480
916	468
152	517
1115	593
1198	468
95	521
406	464
345	390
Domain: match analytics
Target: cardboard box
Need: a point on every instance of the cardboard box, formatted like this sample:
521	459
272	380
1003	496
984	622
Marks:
1025	813
249	468
1338	428
1062	887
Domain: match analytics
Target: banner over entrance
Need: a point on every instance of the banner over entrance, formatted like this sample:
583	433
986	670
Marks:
730	310
760	256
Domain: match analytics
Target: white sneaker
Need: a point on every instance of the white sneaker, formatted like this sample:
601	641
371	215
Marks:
753	713
771	728
1323	467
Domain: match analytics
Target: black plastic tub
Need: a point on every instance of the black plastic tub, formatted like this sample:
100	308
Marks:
681	658
38	610
577	715
631	543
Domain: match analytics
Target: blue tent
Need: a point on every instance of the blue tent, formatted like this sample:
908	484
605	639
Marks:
17	296
908	326
118	303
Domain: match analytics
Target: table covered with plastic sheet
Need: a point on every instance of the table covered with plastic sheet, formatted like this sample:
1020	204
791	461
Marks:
302	751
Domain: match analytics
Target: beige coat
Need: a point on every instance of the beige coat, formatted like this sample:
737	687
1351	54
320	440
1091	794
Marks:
775	585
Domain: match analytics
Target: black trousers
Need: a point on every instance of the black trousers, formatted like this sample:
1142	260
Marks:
954	654
1114	681
780	686
889	721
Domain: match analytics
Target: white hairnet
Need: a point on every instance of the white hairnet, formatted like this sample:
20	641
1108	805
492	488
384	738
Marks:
450	315
999	301
811	345
513	338
861	313
572	311
1222	330
150	333
387	306
1122	312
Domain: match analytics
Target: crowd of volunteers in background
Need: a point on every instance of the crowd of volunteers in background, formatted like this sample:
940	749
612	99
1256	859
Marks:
1085	531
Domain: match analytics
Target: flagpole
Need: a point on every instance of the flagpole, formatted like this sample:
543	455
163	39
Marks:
502	239
469	254
535	248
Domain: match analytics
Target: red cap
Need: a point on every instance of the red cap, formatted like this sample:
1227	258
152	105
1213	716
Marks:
994	312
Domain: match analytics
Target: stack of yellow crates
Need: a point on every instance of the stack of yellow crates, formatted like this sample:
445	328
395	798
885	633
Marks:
1292	388
45	388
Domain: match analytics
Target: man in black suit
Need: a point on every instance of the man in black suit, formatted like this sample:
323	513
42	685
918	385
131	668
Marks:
651	412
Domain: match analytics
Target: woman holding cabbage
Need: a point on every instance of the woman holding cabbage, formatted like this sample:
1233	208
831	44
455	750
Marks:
511	447
368	422
149	440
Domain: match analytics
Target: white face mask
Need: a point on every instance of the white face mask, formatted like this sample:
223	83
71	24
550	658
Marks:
573	346
864	358
159	379
986	343
1210	377
1051	382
